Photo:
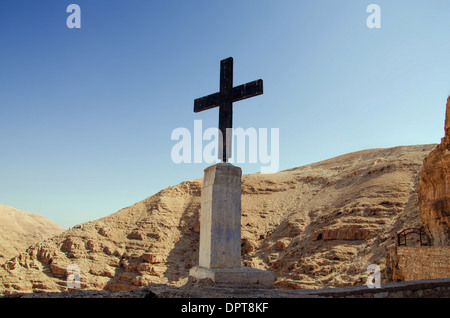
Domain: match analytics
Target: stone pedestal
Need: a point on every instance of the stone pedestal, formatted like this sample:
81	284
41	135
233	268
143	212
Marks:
220	231
220	217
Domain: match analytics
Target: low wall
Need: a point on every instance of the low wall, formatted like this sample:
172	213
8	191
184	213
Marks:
432	288
405	263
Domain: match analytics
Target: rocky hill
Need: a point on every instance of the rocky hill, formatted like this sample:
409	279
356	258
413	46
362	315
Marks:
19	230
316	226
434	189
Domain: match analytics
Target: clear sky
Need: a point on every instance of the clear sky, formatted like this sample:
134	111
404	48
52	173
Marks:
87	114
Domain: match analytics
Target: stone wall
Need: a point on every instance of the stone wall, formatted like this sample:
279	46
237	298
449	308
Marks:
433	288
405	263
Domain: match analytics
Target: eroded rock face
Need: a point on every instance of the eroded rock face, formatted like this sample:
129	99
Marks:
20	229
315	226
434	189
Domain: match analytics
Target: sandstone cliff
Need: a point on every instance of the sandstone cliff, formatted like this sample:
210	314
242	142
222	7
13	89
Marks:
19	230
434	189
316	226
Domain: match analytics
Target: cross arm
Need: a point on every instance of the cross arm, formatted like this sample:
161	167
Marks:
207	102
248	90
236	94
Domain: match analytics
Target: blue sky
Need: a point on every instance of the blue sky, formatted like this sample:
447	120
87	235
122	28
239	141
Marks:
87	114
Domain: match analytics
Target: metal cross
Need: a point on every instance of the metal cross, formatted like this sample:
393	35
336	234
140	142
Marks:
225	99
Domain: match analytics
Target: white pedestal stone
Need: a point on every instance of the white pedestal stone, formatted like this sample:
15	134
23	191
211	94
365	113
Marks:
220	231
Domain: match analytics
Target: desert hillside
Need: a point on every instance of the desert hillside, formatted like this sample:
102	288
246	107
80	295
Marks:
316	226
434	189
19	230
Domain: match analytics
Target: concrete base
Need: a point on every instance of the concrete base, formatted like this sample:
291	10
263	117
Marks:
220	217
220	232
244	276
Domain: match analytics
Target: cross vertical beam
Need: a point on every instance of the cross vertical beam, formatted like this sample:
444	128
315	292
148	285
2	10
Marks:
226	108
